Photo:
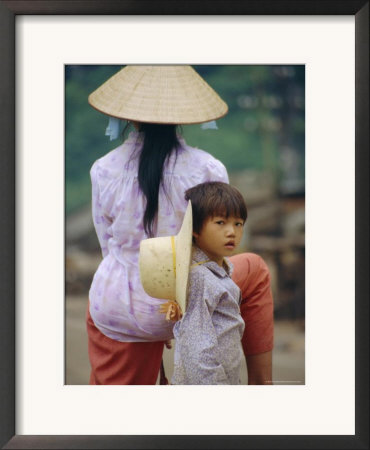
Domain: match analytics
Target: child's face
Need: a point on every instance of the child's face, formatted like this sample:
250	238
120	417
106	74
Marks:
219	237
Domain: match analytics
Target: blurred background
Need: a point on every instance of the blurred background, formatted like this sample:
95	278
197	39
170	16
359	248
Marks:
261	141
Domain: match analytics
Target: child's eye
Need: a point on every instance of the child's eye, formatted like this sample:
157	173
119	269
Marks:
220	222
239	224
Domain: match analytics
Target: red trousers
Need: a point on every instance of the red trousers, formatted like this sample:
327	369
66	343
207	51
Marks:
114	362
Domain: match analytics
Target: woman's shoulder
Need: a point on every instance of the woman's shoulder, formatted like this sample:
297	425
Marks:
108	164
195	152
203	163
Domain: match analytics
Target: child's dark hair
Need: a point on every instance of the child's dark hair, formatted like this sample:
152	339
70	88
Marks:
213	199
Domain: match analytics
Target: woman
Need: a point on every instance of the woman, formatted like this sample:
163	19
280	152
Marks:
138	192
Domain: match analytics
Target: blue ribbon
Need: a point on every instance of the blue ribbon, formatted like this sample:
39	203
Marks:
113	128
212	125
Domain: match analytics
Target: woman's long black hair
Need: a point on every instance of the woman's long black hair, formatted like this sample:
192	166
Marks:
160	141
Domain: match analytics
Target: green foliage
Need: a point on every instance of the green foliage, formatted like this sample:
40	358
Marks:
266	114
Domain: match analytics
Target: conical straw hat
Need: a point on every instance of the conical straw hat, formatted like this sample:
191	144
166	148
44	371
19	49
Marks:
158	94
165	263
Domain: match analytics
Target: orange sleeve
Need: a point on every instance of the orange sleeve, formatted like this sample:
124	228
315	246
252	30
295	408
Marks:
252	276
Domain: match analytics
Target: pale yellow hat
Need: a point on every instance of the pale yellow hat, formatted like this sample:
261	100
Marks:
158	94
165	262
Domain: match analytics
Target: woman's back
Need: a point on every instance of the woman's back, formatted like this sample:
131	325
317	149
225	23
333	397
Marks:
118	304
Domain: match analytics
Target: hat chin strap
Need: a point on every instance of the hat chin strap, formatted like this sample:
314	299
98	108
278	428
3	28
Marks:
171	308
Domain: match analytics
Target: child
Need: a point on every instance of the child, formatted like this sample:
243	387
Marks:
208	337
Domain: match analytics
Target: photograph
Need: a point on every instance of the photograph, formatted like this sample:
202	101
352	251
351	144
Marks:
138	138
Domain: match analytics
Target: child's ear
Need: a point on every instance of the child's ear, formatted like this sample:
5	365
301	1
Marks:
195	235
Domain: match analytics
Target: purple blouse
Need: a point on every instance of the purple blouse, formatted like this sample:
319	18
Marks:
119	306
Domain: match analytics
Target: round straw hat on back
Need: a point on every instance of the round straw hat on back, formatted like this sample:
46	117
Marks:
158	94
165	263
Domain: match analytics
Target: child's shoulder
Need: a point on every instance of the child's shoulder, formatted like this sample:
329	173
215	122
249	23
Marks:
201	278
197	270
204	287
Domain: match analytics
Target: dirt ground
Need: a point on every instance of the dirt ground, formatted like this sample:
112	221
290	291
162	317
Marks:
288	354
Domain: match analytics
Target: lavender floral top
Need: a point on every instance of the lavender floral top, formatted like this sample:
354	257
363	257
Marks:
119	306
208	346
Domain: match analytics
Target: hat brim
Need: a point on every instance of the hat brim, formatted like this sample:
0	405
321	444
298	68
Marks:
183	257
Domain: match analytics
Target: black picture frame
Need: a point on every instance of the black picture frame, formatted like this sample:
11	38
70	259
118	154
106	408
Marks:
8	12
